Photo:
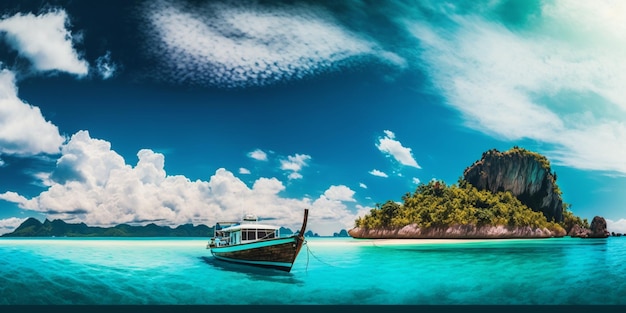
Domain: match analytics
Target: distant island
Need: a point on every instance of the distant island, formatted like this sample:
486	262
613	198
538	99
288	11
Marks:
58	228
32	227
510	194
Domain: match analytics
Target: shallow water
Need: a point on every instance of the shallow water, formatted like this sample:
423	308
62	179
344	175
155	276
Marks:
327	271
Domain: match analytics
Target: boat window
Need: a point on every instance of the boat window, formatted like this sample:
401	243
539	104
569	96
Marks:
265	233
251	235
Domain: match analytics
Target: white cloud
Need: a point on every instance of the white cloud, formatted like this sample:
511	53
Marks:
295	163
618	226
258	154
8	225
390	146
390	134
105	67
559	83
15	198
416	180
93	184
244	171
250	44
378	173
340	193
362	185
294	175
363	210
45	41
331	213
23	129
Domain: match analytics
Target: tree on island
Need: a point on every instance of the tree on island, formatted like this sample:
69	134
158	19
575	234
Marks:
517	191
436	204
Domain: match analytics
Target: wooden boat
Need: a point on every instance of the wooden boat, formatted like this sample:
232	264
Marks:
257	244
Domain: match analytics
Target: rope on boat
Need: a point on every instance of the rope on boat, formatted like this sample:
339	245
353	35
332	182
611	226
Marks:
307	258
308	251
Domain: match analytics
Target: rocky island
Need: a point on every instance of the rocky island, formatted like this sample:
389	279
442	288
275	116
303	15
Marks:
510	194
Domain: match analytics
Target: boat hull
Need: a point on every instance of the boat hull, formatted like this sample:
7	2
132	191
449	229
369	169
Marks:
278	253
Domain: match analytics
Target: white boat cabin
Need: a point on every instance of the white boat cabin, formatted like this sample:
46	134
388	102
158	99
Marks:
249	230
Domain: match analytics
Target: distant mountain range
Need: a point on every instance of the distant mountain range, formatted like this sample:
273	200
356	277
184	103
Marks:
32	227
58	228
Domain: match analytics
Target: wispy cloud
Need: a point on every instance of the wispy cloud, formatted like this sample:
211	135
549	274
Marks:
362	185
23	130
556	82
244	171
295	163
392	147
105	67
378	173
416	180
258	154
44	41
246	43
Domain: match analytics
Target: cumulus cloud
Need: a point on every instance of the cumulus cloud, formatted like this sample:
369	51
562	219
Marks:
244	171
45	41
258	154
10	224
335	213
394	148
93	184
618	226
245	43
340	193
23	129
14	197
363	210
295	163
378	173
557	83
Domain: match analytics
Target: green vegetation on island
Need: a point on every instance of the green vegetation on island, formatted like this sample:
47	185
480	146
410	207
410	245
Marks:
436	204
570	220
514	191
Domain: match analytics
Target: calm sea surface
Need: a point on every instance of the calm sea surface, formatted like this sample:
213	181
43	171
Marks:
327	271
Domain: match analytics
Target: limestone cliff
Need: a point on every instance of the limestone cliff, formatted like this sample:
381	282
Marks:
596	230
525	174
455	232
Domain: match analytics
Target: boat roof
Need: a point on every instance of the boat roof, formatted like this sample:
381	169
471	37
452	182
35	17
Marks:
249	226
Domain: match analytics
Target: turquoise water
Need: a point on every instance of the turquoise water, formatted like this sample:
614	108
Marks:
327	271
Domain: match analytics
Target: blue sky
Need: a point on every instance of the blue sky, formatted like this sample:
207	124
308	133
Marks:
178	112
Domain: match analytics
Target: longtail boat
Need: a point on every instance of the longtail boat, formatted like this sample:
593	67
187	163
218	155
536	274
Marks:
251	243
